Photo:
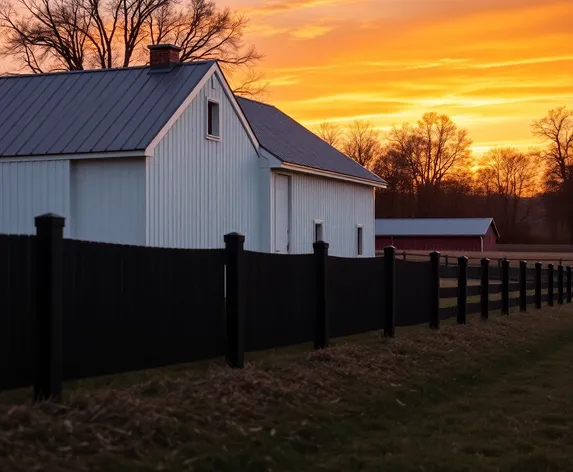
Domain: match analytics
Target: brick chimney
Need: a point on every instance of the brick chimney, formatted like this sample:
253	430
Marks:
163	56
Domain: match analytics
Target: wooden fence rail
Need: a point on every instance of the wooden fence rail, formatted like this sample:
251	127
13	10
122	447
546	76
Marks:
73	309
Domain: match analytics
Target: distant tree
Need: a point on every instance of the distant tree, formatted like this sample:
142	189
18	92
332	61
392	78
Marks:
59	35
332	133
556	131
507	177
363	143
431	151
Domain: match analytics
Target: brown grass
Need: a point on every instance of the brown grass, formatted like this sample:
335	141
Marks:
223	419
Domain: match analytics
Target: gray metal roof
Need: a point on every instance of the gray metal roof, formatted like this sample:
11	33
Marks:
91	111
291	142
434	226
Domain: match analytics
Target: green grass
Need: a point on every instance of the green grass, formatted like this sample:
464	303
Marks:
486	396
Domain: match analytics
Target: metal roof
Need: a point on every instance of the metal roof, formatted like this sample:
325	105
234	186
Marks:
291	142
91	111
434	226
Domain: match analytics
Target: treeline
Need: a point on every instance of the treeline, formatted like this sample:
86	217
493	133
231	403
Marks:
431	172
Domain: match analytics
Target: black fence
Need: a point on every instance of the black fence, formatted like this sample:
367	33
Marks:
72	309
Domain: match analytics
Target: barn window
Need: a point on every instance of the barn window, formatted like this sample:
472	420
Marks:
318	231
360	240
213	120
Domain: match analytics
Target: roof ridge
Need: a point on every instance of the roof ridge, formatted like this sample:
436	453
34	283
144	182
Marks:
257	102
88	71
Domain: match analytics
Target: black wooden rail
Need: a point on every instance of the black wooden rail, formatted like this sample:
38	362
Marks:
73	309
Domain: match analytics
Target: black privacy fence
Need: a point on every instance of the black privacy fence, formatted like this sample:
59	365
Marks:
72	309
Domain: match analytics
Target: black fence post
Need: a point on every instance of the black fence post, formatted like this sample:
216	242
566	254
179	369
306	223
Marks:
550	275
538	285
48	288
568	284
389	291
484	299
462	289
560	284
321	321
523	286
235	311
505	286
435	290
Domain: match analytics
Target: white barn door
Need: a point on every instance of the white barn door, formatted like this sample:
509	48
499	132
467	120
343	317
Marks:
108	200
282	213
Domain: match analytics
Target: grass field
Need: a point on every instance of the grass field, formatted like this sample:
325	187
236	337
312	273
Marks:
489	396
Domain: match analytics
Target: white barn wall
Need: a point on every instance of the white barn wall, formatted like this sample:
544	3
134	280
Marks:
108	200
342	206
32	188
198	189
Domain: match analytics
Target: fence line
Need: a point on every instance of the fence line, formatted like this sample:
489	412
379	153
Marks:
72	309
451	261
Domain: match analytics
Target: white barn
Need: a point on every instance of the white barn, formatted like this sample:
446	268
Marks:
166	155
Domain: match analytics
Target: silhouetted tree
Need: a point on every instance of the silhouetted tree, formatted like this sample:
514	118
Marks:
58	35
362	143
506	177
332	133
556	131
430	152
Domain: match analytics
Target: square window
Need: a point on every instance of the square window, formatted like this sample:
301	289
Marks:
360	242
213	119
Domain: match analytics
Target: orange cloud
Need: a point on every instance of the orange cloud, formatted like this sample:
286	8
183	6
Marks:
281	6
311	31
493	66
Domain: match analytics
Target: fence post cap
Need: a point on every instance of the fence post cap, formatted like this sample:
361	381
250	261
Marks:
320	245
522	262
538	264
239	237
49	219
462	259
485	260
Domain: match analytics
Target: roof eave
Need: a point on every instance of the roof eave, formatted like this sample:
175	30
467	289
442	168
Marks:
331	175
76	156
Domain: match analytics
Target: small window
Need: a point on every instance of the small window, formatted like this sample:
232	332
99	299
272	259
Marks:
213	84
360	240
213	120
318	231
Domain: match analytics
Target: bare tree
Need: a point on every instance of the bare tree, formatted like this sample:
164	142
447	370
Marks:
49	35
556	131
363	143
431	151
507	177
331	133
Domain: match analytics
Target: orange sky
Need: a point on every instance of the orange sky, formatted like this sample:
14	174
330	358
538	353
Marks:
493	65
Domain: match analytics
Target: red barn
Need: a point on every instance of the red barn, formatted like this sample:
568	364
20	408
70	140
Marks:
437	234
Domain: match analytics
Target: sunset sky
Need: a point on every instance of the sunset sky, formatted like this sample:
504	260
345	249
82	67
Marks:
493	65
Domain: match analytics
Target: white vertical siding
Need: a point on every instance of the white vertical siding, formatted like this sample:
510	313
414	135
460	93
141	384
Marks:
199	189
341	205
29	189
108	200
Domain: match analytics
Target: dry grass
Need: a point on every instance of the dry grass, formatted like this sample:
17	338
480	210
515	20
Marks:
272	415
